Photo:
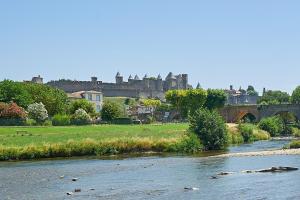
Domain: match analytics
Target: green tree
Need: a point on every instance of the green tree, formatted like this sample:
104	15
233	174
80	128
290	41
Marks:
178	98
296	96
151	102
11	91
215	99
210	127
195	99
274	125
274	97
110	111
82	104
251	91
55	100
186	101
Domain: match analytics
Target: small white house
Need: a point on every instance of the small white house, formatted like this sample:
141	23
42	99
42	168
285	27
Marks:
94	97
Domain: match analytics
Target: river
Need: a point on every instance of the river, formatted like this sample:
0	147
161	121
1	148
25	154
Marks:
154	177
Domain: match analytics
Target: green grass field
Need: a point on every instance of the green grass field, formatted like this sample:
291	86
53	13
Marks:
21	143
10	137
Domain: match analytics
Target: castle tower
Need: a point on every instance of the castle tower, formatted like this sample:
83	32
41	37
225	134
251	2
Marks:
37	79
159	83
136	78
119	78
94	79
198	86
185	81
130	79
146	81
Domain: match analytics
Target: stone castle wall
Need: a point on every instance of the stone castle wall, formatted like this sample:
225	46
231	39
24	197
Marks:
147	87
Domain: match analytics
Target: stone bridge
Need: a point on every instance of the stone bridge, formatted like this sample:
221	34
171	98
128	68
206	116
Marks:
233	114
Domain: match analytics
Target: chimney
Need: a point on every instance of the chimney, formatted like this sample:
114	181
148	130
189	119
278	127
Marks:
231	87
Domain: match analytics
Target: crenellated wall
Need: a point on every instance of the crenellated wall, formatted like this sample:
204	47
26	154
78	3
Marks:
147	87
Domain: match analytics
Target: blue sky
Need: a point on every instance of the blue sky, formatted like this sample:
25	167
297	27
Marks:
217	43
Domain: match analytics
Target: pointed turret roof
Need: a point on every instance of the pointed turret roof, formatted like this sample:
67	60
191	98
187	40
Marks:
198	86
146	76
170	76
159	77
118	74
136	77
130	77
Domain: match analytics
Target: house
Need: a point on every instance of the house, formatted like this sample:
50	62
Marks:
94	97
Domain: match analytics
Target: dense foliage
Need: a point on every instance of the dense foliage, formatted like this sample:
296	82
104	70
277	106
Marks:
80	117
151	102
186	101
251	91
274	125
24	94
14	92
61	120
274	97
110	111
38	112
82	104
12	114
295	98
210	127
215	99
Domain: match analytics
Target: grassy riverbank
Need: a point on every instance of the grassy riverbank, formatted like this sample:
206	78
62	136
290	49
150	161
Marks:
18	143
21	143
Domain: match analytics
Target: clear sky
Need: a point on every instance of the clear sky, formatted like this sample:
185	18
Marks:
217	43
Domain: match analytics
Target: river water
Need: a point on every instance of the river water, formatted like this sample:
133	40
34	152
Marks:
154	177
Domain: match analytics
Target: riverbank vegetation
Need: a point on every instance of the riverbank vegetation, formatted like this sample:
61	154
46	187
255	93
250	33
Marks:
294	145
18	143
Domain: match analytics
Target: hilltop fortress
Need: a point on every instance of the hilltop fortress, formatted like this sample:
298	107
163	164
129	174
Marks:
148	87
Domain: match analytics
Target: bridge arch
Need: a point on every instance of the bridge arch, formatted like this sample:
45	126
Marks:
248	118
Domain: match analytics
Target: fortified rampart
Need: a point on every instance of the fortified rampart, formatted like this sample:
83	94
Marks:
148	87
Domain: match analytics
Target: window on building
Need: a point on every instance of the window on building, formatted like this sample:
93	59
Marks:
90	97
98	108
98	98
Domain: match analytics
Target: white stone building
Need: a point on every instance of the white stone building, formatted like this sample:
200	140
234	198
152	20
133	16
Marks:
94	97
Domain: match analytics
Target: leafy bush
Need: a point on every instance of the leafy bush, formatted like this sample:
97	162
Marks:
296	132
215	98
122	120
82	104
210	127
80	117
38	112
294	144
11	114
273	125
247	132
24	94
110	111
61	120
13	111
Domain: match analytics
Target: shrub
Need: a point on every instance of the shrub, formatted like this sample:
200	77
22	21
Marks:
296	132
38	112
80	117
273	125
11	114
110	111
124	120
61	120
82	104
210	127
247	132
295	144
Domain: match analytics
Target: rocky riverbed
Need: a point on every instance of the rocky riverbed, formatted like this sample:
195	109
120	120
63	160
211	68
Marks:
263	153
